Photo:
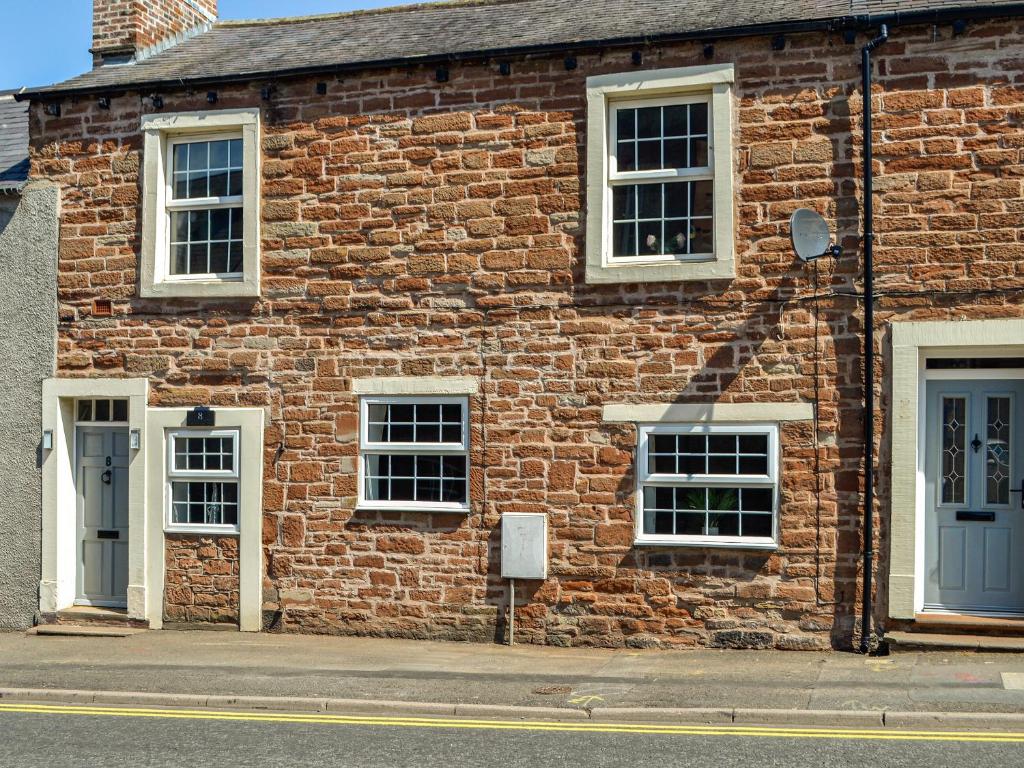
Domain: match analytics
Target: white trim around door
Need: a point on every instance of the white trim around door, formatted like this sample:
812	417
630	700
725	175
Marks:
60	557
913	344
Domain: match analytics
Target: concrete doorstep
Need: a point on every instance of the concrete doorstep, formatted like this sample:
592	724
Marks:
857	719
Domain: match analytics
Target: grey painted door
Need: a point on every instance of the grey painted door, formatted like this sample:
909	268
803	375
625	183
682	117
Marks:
102	487
974	469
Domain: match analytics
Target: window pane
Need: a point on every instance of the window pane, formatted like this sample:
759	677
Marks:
203	454
625	120
85	410
219	155
676	120
997	450
428	423
675	153
650	238
672	218
698	118
201	503
220	224
120	410
206	241
648	155
626	156
757	525
416	478
102	410
648	122
198	155
624	239
723	525
624	202
180	157
698	153
649	201
708	511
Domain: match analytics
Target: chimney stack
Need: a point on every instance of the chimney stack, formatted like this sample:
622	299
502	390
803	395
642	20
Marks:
129	30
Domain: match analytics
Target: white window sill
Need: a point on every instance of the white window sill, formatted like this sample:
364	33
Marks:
661	271
451	509
201	289
707	542
203	530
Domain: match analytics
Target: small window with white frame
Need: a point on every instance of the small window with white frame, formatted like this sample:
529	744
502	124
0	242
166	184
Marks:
659	169
661	180
202	480
204	203
200	235
414	453
708	485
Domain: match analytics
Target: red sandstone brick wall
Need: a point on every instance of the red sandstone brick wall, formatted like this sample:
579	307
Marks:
411	227
201	579
138	24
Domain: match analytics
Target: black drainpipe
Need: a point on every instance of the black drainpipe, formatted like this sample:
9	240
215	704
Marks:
869	344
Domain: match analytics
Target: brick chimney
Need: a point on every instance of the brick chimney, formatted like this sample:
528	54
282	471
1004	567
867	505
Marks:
127	30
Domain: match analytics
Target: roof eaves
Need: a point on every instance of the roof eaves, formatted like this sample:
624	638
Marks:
829	23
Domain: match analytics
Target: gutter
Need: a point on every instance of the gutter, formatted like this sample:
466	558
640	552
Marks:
861	23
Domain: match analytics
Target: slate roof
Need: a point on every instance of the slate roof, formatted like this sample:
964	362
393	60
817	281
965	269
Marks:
13	143
241	49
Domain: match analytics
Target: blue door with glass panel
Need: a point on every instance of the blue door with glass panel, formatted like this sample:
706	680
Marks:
974	533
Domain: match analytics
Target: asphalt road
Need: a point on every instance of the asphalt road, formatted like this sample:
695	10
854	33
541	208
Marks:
55	738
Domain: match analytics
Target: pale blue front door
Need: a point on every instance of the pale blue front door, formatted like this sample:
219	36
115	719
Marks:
974	469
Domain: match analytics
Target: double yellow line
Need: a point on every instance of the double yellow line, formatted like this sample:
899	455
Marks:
317	718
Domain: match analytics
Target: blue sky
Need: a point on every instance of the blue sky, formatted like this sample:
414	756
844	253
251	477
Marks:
46	41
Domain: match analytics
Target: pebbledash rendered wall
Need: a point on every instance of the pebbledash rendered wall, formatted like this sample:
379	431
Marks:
416	228
28	309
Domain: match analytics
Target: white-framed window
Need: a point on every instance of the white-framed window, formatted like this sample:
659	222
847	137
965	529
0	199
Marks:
200	235
91	410
205	207
414	453
708	485
660	175
203	480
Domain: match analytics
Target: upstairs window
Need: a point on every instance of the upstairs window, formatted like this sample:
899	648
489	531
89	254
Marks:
200	213
414	453
661	180
659	176
205	208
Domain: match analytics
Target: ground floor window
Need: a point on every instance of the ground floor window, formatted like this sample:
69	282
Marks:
414	453
202	480
711	485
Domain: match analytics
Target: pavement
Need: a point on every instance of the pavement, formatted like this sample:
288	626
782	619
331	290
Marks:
271	671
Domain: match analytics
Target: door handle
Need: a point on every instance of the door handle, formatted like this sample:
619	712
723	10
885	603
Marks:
106	477
1021	492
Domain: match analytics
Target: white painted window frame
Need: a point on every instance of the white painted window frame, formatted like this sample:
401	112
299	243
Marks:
605	93
171	474
184	205
644	477
367	448
618	178
160	133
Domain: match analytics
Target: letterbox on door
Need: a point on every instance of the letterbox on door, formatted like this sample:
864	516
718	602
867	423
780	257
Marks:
524	545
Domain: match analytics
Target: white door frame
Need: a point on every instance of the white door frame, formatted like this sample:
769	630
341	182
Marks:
913	343
57	585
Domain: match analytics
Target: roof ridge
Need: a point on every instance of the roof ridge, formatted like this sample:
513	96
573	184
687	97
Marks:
410	7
